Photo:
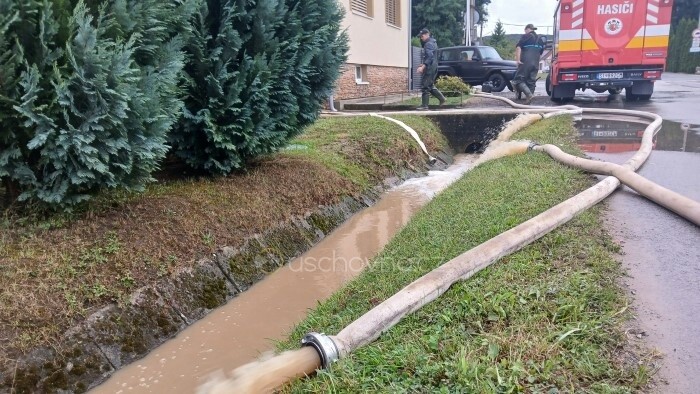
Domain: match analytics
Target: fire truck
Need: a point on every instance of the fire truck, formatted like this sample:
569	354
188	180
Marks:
609	45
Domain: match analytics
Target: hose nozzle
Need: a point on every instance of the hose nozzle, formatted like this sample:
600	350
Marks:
325	347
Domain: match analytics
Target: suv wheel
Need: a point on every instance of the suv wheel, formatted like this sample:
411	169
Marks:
498	81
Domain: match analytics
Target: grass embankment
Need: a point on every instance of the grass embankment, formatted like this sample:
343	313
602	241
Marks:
545	319
57	269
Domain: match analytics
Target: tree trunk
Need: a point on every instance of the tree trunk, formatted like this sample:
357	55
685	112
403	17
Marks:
11	192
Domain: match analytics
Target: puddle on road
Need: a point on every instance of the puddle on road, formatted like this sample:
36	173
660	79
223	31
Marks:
609	135
241	330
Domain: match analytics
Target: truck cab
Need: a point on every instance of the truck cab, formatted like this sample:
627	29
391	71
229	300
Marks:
609	45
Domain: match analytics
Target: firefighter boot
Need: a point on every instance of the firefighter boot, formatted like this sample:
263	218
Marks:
439	96
518	94
526	91
425	99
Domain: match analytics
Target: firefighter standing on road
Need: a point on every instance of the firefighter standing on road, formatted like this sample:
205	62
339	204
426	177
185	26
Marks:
527	54
429	69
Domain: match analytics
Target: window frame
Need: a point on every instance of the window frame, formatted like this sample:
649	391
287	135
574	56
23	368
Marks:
396	22
361	74
356	7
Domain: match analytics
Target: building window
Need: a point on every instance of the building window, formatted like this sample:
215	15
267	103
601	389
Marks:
361	74
393	12
362	6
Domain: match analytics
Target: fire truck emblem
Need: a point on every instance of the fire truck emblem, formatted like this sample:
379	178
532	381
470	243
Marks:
613	26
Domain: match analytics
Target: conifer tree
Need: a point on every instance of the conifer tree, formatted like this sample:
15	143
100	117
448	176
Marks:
86	101
256	75
499	40
680	59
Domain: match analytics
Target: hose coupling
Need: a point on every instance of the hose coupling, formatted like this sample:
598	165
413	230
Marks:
532	146
432	160
325	347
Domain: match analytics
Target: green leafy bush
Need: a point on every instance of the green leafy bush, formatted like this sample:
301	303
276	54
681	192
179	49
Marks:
257	73
87	94
452	86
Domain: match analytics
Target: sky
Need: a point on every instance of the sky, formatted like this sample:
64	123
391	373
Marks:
519	13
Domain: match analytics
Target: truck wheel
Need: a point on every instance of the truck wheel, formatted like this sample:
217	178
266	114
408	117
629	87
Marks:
498	81
548	85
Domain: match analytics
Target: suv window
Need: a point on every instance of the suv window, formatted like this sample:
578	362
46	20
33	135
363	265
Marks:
467	55
455	55
449	55
488	53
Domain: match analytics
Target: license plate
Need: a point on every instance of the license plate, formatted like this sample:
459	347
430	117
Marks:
606	133
611	75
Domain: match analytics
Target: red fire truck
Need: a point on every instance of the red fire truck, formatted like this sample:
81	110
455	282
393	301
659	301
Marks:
608	45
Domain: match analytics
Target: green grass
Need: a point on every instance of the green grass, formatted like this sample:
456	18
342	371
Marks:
56	268
544	319
459	100
362	149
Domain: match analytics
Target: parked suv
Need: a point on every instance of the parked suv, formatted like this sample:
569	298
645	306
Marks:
476	65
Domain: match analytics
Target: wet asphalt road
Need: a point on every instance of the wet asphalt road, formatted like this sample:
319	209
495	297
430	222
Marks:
661	250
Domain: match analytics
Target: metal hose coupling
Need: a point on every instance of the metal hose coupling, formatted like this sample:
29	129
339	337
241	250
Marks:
532	146
325	347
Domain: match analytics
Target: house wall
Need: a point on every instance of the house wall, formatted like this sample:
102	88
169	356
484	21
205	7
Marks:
380	80
382	49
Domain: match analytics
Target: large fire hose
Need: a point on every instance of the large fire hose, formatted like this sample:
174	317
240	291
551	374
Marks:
368	327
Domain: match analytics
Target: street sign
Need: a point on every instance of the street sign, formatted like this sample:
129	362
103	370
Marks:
695	47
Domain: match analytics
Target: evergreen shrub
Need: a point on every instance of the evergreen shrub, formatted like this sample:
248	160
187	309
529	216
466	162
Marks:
88	94
257	73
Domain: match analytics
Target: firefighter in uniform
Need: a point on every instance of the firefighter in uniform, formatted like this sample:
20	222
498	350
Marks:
527	54
429	69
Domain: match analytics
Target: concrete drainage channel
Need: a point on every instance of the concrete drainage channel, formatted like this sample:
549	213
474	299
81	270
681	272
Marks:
235	333
96	349
320	350
118	335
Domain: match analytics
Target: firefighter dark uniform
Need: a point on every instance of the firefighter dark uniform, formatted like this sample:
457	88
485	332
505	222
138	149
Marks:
430	67
530	50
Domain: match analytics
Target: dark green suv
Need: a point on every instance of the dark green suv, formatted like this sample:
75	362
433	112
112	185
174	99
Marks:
476	65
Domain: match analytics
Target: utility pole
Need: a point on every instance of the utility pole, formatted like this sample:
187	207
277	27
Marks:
469	32
467	24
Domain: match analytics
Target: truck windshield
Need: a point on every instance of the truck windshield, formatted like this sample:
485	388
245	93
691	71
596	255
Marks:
488	53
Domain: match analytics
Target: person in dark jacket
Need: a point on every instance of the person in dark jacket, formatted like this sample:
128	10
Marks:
527	54
429	69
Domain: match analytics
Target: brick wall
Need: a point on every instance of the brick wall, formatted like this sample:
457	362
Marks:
380	80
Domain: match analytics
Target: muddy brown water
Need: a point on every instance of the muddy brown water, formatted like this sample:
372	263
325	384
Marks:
248	325
615	135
